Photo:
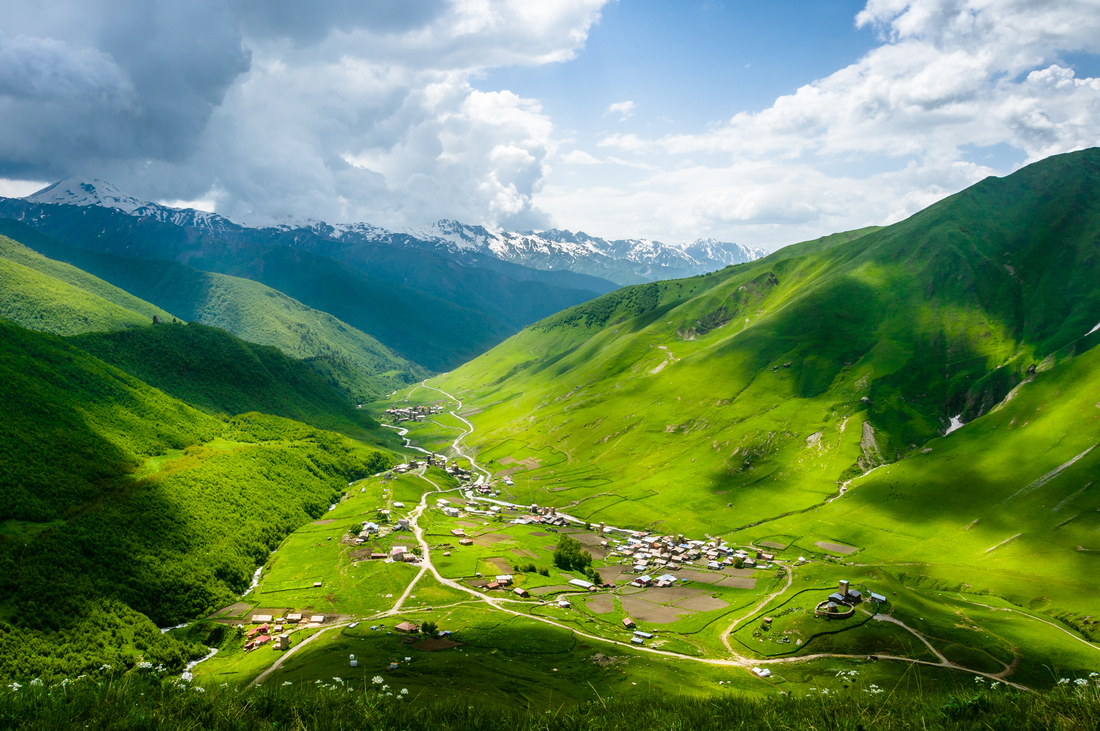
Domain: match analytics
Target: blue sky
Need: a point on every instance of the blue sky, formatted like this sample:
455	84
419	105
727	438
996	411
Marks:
689	64
760	123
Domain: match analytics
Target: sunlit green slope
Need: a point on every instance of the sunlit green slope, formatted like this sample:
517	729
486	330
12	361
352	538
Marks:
48	295
212	370
720	402
349	358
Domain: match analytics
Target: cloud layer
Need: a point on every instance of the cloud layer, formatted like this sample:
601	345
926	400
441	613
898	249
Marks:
365	110
951	77
282	110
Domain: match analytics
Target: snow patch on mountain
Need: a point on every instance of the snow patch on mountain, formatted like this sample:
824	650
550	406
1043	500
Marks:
83	192
624	261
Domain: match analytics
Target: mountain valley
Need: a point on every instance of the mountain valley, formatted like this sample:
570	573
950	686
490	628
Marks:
556	490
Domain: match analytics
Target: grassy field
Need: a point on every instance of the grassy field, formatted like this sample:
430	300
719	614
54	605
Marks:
744	403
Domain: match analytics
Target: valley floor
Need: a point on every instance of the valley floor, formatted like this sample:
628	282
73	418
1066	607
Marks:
708	633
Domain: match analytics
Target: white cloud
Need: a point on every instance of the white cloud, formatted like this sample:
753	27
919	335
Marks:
580	157
344	110
949	76
19	188
625	110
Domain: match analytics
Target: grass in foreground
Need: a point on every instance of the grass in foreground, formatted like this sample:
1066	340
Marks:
136	702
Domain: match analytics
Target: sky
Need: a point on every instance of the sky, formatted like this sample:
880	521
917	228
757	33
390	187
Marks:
758	123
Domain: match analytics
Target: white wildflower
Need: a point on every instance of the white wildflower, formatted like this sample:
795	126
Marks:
377	680
338	680
36	682
14	686
287	682
1081	681
1063	681
198	688
404	691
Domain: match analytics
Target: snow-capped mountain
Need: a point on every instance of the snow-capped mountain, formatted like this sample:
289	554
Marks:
623	261
79	191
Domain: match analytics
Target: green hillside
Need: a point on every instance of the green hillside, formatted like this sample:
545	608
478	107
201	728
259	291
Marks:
212	370
736	402
124	505
350	359
47	295
431	331
434	311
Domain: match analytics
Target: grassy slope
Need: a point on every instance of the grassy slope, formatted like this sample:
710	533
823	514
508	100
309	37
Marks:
430	330
120	499
349	358
923	318
46	295
219	373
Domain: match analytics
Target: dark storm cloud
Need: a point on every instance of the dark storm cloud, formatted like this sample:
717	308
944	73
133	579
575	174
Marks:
82	83
276	110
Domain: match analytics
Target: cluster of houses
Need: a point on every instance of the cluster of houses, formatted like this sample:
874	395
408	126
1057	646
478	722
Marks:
646	553
842	602
412	413
271	629
541	516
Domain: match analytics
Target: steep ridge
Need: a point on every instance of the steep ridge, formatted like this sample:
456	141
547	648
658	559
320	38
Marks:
361	366
212	370
48	295
730	399
41	302
124	506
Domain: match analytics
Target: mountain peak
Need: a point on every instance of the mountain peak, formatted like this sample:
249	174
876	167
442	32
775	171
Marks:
79	191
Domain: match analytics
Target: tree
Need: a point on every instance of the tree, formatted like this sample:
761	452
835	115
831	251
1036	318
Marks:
570	555
429	627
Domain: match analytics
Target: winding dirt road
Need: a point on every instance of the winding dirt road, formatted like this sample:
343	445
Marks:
500	604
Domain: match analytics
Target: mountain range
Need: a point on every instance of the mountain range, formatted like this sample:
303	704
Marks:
622	261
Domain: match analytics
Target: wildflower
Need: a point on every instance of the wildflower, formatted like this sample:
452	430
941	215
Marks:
377	680
198	689
1094	675
404	691
338	680
186	677
15	686
105	666
144	665
36	682
1081	681
287	682
386	687
1063	681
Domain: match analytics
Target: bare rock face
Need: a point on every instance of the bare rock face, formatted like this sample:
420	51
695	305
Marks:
872	455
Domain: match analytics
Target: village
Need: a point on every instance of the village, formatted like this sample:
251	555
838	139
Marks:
638	582
642	560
